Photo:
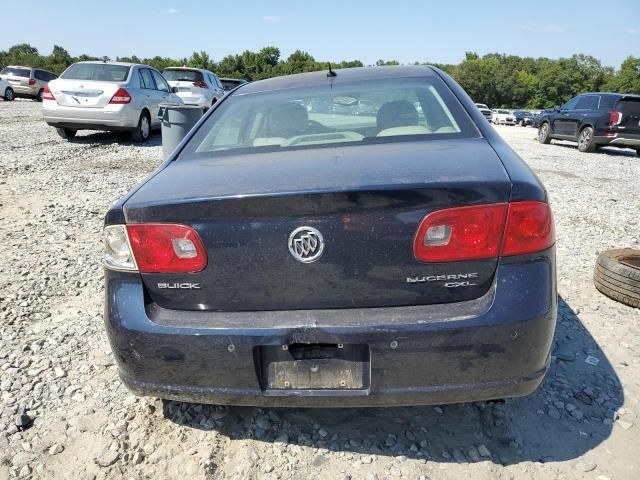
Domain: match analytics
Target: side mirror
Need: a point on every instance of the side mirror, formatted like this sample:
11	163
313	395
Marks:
557	108
174	89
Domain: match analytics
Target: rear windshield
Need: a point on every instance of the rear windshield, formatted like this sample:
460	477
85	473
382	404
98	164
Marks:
354	113
182	75
102	72
230	84
629	106
16	72
504	112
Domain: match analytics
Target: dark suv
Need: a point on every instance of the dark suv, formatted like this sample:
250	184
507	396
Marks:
594	120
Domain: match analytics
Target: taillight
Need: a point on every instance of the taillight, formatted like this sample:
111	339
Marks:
484	231
200	84
166	248
120	97
46	93
462	233
614	118
529	228
32	82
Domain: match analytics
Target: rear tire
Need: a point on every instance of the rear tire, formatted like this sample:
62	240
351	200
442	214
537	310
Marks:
544	135
617	275
39	96
143	131
9	95
66	133
585	140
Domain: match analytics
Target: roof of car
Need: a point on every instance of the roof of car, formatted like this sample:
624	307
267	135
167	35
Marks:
124	64
610	93
188	68
311	79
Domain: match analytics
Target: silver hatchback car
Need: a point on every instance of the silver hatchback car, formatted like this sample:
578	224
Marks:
110	96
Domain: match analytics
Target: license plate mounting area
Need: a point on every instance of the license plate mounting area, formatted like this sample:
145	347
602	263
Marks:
308	368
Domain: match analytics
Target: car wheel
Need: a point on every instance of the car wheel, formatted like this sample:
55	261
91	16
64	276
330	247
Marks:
585	140
617	275
66	133
521	123
9	96
638	151
143	131
39	96
544	136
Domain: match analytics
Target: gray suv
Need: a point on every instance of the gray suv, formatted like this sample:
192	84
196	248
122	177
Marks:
27	81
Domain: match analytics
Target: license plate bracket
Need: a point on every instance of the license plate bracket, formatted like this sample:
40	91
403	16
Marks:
308	367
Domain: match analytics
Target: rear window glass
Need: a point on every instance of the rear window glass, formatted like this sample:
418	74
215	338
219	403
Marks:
230	84
629	106
182	75
351	114
102	72
16	72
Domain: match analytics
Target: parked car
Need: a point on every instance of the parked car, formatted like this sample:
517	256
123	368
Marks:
107	96
231	83
6	91
503	117
291	258
194	85
486	111
523	117
27	81
594	120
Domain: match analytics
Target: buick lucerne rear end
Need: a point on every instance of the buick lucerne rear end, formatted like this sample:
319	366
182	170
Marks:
293	256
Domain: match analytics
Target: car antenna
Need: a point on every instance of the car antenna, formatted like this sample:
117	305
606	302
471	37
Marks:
331	73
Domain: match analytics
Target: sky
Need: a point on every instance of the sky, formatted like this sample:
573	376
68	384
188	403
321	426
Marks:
407	31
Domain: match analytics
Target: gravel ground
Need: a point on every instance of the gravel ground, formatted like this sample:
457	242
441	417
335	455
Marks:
64	414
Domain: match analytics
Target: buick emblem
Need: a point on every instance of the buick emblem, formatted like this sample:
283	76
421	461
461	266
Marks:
306	244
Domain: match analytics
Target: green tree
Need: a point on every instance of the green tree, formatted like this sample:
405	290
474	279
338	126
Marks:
628	78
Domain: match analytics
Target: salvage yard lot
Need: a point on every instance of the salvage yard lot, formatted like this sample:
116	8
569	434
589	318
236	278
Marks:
55	359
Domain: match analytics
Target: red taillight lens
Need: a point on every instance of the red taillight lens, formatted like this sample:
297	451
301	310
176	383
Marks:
167	248
46	93
484	231
529	228
32	82
121	96
614	118
463	233
200	84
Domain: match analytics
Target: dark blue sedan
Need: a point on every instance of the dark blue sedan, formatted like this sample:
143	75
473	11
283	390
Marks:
293	256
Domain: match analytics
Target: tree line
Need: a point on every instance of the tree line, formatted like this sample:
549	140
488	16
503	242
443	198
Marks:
498	80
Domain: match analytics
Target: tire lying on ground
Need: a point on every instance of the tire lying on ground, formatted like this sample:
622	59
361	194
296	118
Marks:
617	275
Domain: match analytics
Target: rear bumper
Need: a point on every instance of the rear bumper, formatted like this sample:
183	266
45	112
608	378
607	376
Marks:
25	91
112	117
493	347
199	100
620	140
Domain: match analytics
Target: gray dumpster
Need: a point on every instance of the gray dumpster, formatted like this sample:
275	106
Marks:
176	121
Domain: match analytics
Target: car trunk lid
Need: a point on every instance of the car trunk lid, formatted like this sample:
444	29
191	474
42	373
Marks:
366	202
83	93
